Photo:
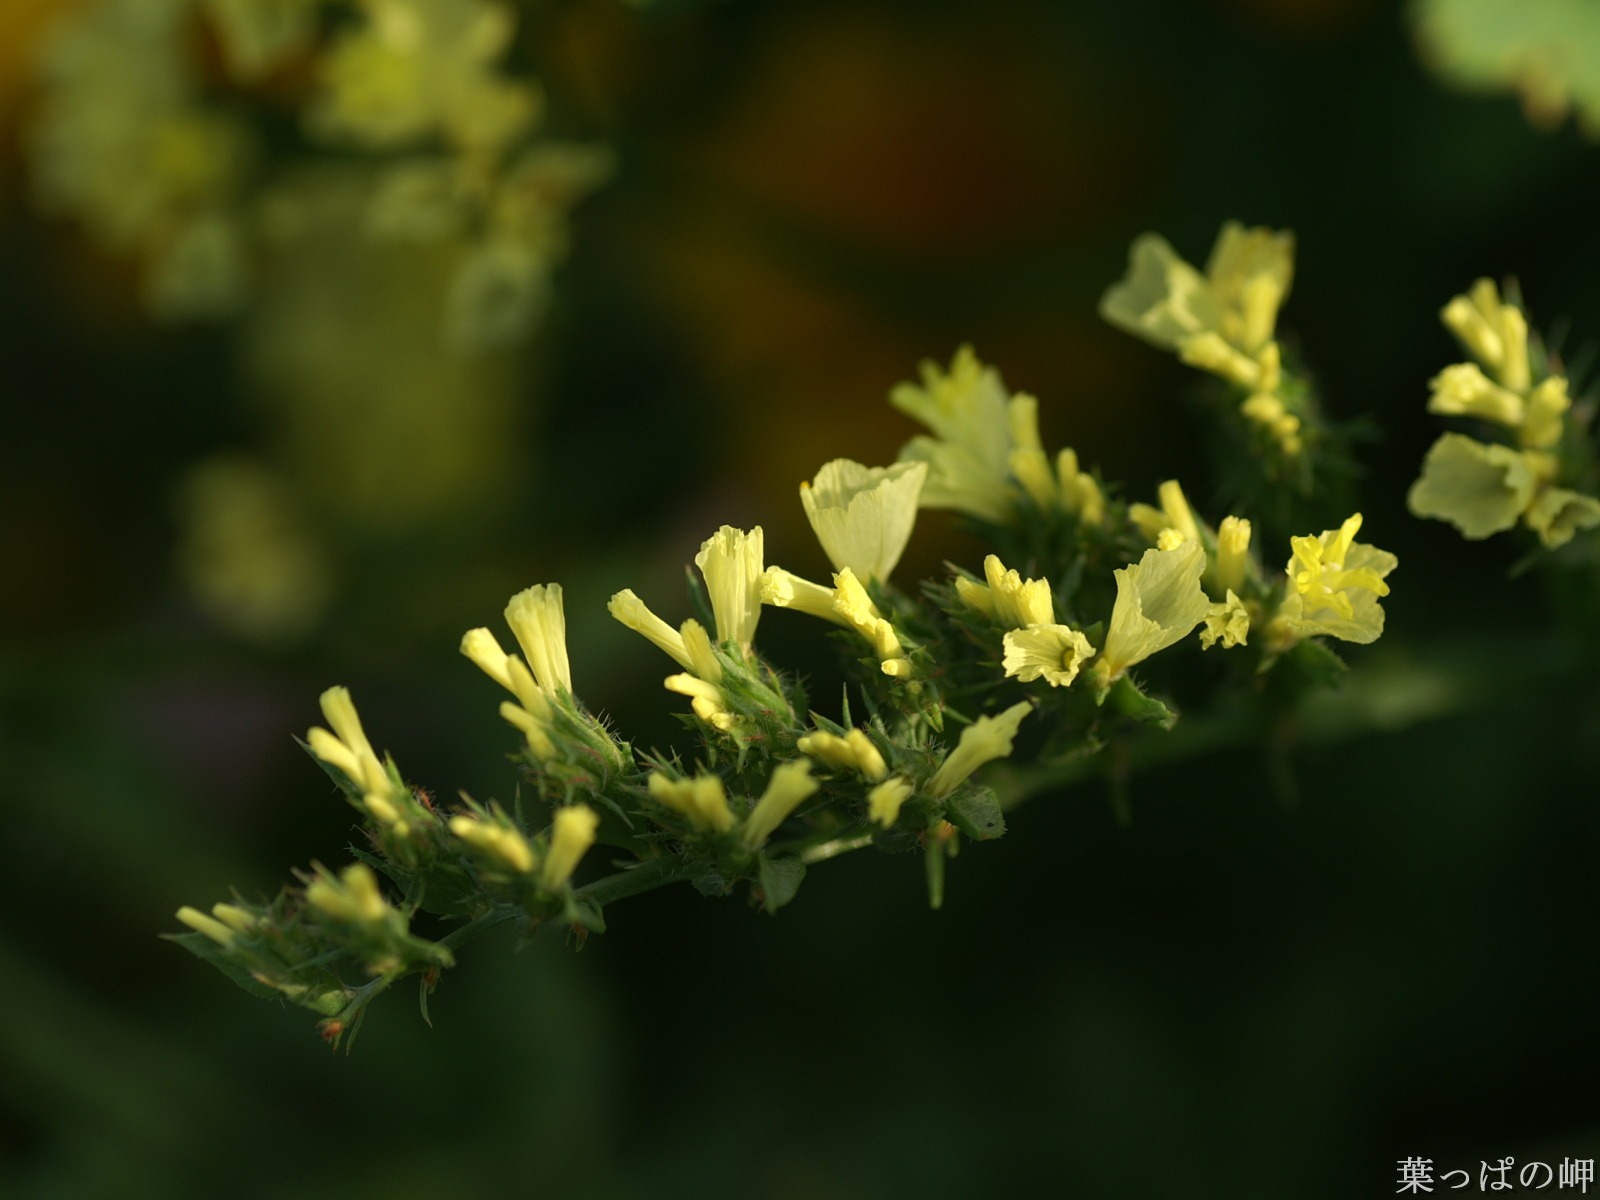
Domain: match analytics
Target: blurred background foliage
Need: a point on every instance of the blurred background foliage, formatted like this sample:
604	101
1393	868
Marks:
202	524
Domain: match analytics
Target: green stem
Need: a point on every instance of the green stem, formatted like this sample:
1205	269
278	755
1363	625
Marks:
646	877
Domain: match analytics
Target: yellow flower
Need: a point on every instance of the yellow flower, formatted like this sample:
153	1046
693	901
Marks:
1159	601
1080	494
536	618
1028	463
495	840
1008	598
969	454
790	785
1053	653
701	799
1547	405
847	604
1233	554
1465	391
1168	303
1227	621
347	749
626	607
855	751
353	898
571	835
690	646
1556	514
1480	489
1174	514
863	515
731	562
1492	331
214	929
1334	586
986	739
884	801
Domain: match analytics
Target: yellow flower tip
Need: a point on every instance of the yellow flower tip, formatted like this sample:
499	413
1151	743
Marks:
532	728
1080	494
626	607
1233	553
863	516
897	668
1169	539
1492	331
697	644
238	919
382	808
702	799
482	647
1227	621
571	834
784	589
790	785
210	926
1159	601
985	740
1175	507
1211	352
1018	602
340	711
538	620
1054	653
885	800
732	563
501	843
706	699
1463	390
975	595
1480	489
354	897
856	609
1557	515
1544	422
855	751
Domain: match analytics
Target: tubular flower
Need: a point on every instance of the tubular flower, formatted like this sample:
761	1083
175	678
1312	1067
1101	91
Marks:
846	603
1080	494
1334	586
1463	390
497	841
969	454
863	515
347	749
1233	554
1492	331
540	625
1053	653
1159	601
690	646
571	835
1028	463
353	898
855	751
790	785
884	801
701	799
216	930
1227	621
538	621
986	739
731	561
1479	488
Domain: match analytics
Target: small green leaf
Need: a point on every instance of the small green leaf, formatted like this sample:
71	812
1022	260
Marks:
203	947
780	880
976	812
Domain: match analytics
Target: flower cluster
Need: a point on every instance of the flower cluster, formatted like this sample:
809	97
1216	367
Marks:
1073	652
1538	450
